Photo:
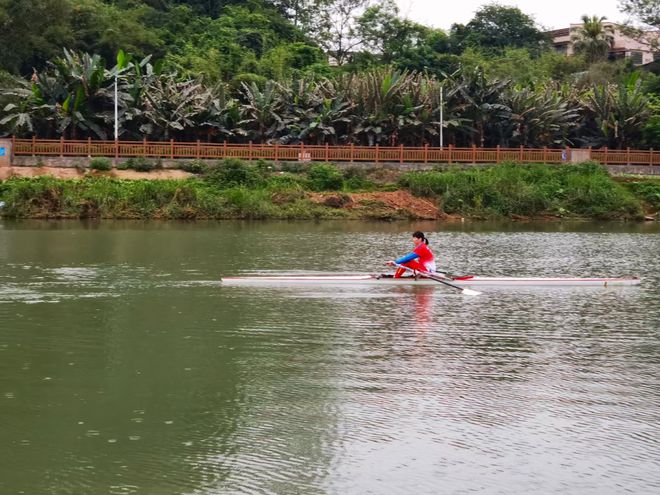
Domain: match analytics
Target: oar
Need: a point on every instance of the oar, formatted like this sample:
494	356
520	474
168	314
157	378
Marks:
464	290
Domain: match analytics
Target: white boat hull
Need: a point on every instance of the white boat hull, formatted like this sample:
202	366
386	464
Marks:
471	282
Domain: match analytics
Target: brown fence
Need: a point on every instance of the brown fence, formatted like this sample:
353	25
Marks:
326	153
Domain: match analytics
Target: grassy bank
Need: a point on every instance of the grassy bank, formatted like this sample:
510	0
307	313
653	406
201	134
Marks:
584	190
234	189
231	189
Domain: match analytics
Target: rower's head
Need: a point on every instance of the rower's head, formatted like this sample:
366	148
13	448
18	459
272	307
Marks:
418	237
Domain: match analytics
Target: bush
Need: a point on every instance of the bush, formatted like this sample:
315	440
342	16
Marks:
100	164
141	164
236	84
194	166
293	167
325	177
285	181
232	172
355	179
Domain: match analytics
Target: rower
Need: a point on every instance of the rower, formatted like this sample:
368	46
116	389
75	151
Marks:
420	259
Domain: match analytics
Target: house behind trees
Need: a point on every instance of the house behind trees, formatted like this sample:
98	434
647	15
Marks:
623	46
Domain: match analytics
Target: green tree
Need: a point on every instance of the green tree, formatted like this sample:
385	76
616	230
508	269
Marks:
338	34
289	59
652	127
495	27
106	28
646	11
401	43
222	48
33	31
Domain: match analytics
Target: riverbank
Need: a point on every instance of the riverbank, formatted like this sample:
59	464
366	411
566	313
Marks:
235	189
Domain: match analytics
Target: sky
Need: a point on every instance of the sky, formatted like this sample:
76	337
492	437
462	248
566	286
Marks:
551	14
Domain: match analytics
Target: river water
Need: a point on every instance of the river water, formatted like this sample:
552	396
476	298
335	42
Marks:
125	366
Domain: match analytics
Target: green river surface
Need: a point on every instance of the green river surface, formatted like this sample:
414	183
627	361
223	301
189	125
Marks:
126	367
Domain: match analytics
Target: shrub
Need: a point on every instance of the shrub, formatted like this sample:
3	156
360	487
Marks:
356	179
100	163
232	172
194	166
141	164
292	167
325	177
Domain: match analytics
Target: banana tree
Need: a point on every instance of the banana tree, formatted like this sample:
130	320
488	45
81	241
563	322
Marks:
375	96
173	107
20	111
326	125
262	110
482	105
64	99
314	111
539	117
133	77
616	114
221	117
83	75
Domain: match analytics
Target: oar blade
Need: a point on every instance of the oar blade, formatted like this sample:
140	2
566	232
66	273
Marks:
471	292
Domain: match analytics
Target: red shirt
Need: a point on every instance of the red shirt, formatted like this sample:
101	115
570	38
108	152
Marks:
424	252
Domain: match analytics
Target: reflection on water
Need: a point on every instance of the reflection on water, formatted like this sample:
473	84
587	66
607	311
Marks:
125	367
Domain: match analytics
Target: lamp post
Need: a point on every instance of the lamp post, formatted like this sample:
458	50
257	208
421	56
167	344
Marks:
116	111
442	88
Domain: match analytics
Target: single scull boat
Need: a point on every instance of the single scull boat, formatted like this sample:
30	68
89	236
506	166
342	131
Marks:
468	281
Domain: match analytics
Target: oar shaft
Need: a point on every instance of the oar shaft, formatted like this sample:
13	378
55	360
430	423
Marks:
438	279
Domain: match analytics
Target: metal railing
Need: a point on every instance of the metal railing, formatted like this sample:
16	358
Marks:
325	153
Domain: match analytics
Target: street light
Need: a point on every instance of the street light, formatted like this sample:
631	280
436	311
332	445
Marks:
116	111
441	114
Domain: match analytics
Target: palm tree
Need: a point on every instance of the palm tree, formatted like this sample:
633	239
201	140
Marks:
594	39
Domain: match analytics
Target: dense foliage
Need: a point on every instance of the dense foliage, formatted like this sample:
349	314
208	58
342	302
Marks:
312	71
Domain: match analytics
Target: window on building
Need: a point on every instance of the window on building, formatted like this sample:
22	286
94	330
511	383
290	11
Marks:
637	57
656	56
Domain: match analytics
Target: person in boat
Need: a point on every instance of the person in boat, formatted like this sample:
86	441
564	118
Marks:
421	258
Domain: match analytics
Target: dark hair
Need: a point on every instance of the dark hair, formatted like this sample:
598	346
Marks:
420	235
